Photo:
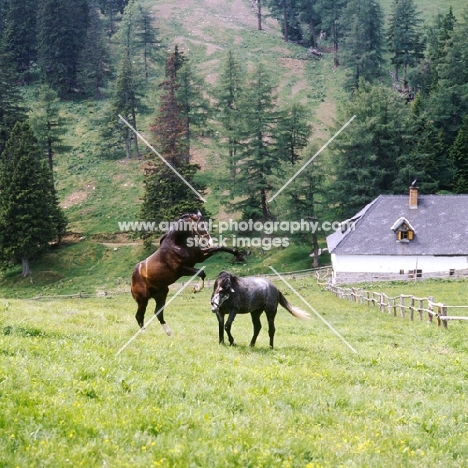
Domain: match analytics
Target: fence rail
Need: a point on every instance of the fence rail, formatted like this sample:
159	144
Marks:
402	305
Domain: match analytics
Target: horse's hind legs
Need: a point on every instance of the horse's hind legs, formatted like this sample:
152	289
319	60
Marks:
257	326
140	315
160	299
271	327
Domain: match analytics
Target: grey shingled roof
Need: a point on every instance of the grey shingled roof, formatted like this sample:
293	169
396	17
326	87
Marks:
440	223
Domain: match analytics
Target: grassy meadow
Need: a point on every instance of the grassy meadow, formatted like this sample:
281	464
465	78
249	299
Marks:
68	399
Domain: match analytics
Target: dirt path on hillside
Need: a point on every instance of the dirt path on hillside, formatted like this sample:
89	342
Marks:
199	17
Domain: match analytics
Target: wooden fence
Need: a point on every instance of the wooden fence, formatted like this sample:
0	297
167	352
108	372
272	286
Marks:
402	305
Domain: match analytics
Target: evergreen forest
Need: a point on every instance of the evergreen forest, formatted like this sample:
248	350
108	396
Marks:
236	110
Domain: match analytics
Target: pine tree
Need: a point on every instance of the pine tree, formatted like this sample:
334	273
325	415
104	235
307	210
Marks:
459	156
403	36
124	102
257	158
194	107
111	8
61	26
365	155
441	43
229	90
170	127
287	13
30	217
167	197
449	99
333	23
11	110
45	121
304	198
3	14
292	132
18	37
309	15
422	160
148	41
93	58
363	41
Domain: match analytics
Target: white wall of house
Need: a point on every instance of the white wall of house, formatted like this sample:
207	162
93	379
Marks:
393	264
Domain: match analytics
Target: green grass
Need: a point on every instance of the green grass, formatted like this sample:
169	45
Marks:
66	399
430	8
447	291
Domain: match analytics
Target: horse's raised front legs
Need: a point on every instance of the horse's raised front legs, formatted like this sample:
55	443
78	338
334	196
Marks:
190	271
209	252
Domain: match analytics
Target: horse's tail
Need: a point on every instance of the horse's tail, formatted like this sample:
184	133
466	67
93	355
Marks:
298	313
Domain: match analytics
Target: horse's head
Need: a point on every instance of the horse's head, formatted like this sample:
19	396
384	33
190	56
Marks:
222	290
193	225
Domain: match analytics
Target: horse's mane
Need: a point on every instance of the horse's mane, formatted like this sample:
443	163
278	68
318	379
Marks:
171	231
226	274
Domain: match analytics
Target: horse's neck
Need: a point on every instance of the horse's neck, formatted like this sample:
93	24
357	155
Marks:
176	237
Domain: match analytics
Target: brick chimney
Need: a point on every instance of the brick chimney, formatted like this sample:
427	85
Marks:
413	197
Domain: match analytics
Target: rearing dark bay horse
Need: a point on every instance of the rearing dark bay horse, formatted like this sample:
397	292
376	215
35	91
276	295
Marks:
186	243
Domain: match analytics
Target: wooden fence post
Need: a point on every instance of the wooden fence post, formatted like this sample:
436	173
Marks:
430	307
421	303
443	313
402	306
382	302
412	308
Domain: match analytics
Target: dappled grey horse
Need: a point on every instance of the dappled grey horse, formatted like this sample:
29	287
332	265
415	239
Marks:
233	295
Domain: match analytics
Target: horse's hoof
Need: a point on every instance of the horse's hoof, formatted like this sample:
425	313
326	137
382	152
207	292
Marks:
167	329
142	329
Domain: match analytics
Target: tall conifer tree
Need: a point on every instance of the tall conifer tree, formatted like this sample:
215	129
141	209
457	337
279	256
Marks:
170	127
257	159
30	217
229	90
403	36
93	58
61	26
45	121
166	196
365	156
19	36
331	14
363	41
11	110
459	157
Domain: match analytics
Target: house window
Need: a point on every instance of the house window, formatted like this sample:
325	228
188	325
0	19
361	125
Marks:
405	235
451	271
402	272
403	230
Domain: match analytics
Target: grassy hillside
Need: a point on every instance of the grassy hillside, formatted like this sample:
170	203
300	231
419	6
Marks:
430	8
98	189
66	398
